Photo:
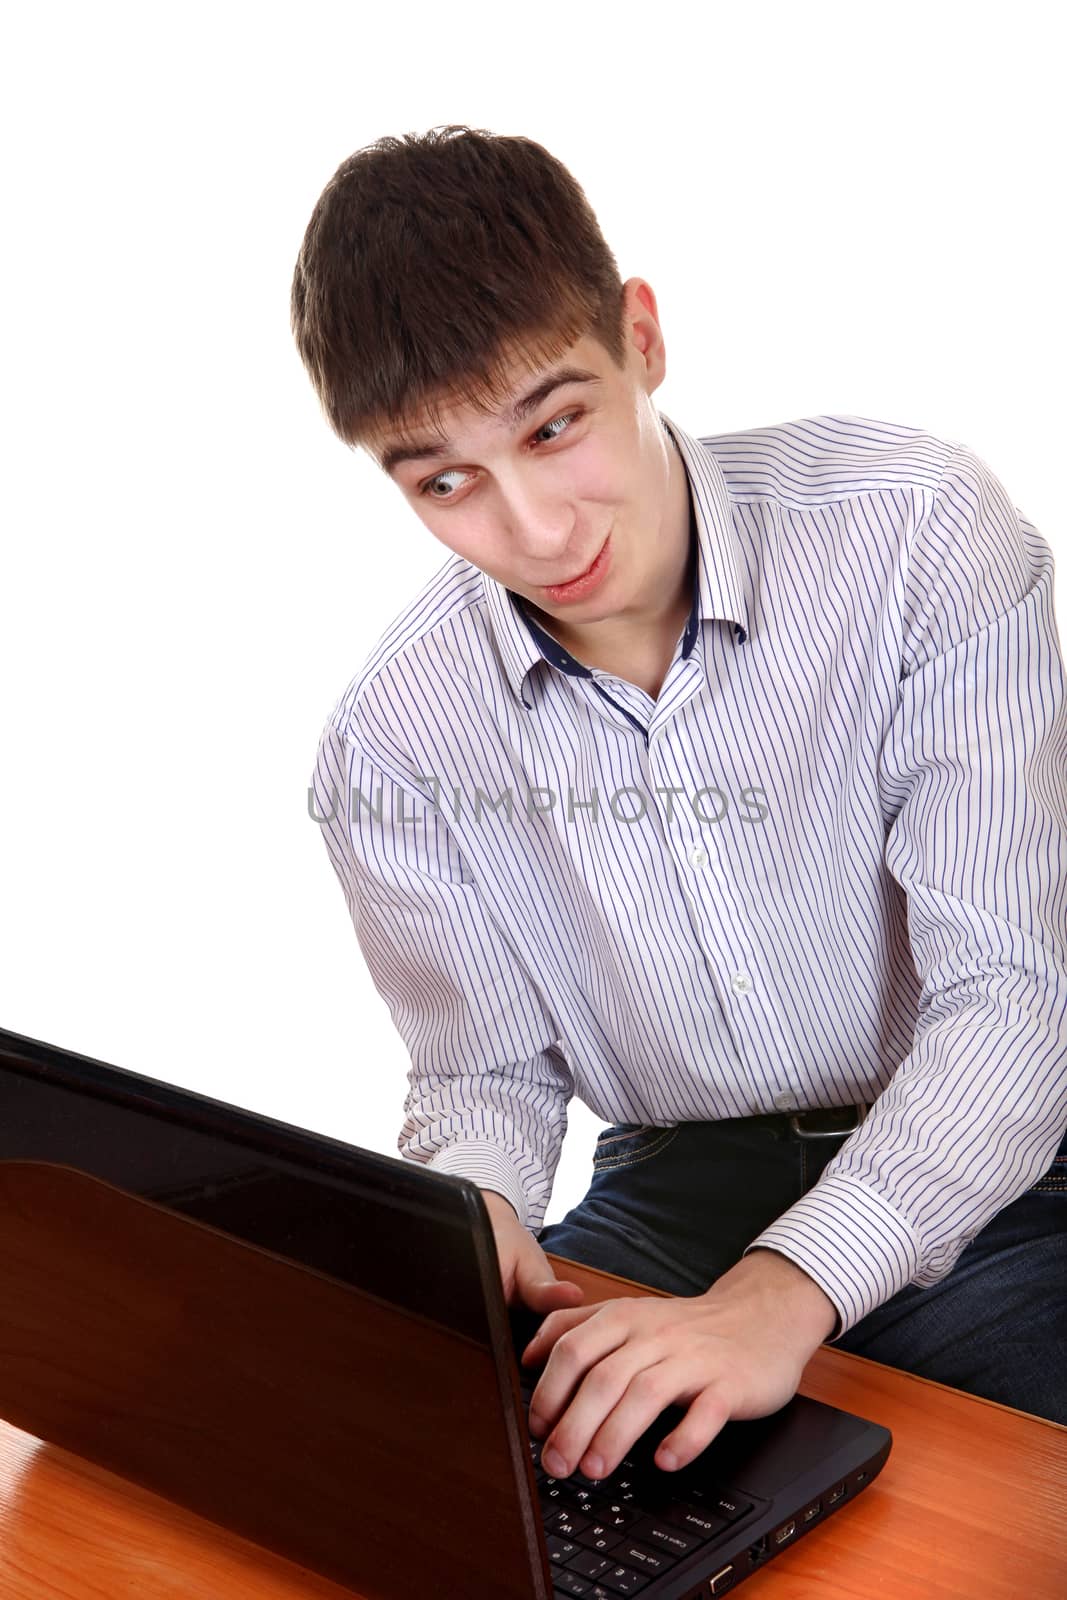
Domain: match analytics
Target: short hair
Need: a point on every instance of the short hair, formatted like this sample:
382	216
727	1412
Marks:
431	262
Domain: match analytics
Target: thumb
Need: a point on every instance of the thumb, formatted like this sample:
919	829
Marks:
539	1286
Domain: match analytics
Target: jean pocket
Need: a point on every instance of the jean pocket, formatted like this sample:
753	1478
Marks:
625	1144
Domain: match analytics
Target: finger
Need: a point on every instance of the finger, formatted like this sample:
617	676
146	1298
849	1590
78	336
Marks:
546	1294
616	1403
559	1321
582	1340
703	1421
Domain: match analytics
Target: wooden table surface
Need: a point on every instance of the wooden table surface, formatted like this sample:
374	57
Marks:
971	1504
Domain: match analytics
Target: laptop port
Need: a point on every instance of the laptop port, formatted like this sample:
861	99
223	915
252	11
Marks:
813	1511
722	1581
786	1531
835	1494
757	1552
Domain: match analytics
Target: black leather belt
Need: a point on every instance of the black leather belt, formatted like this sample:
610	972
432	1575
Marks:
829	1122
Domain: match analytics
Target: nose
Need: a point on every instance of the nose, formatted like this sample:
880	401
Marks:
542	533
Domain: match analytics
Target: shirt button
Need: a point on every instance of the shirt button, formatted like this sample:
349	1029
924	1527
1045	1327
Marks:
698	856
785	1102
740	983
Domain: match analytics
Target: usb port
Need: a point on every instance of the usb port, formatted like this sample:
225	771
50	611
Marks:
813	1511
835	1494
785	1532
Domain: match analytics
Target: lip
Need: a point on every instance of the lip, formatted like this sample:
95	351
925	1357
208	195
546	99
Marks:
577	588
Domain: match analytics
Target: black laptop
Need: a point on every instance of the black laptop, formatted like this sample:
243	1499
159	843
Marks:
307	1343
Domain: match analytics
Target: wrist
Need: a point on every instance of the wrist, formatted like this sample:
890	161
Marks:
796	1300
498	1205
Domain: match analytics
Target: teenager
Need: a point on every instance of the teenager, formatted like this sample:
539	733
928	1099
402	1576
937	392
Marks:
718	781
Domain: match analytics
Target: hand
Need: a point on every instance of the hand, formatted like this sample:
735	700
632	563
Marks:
525	1270
736	1351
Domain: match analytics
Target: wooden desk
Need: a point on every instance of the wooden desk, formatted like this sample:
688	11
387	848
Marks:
970	1503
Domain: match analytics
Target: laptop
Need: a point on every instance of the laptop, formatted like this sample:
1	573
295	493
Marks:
308	1344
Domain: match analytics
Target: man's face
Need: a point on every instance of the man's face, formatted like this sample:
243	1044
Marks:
532	500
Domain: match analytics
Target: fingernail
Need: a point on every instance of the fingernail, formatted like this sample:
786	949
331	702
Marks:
554	1462
667	1460
536	1422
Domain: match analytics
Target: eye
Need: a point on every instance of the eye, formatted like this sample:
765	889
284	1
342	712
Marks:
440	477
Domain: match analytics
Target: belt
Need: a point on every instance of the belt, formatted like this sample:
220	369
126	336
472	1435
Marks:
829	1122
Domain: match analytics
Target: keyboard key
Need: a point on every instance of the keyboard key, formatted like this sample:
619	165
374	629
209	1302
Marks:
597	1591
623	1580
598	1536
730	1506
617	1514
589	1564
659	1534
583	1499
569	1583
556	1494
560	1551
696	1520
566	1523
642	1559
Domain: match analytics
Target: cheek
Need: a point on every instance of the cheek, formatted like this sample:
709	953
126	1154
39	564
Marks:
602	479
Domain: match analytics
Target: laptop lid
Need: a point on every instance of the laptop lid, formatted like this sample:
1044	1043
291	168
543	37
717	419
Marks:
301	1340
304	1341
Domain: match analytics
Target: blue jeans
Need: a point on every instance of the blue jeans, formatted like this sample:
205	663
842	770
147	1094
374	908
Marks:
675	1207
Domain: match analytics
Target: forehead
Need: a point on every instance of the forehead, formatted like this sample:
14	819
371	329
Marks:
526	391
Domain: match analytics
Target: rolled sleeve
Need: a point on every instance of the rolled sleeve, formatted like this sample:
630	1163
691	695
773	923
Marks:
973	772
488	1085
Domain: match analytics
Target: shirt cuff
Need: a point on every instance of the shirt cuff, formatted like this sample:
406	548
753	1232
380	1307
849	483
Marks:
859	1250
485	1164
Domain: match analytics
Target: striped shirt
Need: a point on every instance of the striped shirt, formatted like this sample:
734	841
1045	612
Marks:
826	865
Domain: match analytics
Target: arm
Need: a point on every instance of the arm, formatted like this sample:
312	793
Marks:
973	772
488	1086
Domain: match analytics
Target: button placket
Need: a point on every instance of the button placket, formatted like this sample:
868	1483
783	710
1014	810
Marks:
720	933
703	858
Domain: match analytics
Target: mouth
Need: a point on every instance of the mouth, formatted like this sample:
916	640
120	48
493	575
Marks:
564	581
572	587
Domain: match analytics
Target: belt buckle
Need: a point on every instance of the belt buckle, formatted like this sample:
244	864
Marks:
826	1133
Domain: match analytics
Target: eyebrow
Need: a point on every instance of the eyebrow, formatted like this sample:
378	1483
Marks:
432	450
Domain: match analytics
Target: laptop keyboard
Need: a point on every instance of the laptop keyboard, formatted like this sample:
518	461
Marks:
612	1536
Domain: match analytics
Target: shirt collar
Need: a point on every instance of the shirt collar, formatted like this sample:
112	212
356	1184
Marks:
718	585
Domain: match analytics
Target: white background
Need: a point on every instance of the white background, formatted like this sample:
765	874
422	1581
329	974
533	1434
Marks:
840	208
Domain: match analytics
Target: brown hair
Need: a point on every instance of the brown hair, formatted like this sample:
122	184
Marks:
431	262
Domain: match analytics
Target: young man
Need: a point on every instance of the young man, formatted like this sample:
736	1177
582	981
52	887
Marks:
754	837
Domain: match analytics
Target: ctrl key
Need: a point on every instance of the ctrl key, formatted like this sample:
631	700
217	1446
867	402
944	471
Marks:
568	1583
571	1583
